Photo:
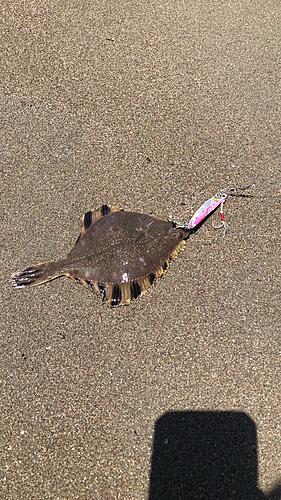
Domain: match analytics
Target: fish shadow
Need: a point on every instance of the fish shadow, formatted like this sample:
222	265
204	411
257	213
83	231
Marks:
208	455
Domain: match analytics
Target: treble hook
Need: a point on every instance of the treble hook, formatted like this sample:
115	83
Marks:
223	224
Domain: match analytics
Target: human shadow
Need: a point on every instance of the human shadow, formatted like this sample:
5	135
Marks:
205	455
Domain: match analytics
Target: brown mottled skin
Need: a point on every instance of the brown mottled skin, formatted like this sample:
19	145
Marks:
115	248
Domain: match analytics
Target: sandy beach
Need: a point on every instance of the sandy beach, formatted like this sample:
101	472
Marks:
153	107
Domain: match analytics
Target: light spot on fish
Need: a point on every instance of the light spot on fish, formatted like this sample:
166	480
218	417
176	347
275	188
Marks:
125	262
125	278
142	260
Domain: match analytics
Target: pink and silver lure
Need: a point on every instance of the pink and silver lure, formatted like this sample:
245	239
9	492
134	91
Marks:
209	206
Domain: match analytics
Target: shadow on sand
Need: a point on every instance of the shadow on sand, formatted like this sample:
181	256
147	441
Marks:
201	455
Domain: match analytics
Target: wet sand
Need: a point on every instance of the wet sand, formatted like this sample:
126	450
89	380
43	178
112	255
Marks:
153	107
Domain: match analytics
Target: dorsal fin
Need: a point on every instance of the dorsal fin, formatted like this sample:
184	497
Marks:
93	216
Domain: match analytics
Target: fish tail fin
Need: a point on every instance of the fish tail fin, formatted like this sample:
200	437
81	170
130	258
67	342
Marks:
38	274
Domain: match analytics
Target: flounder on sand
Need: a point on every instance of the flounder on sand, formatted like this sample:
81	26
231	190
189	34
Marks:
119	254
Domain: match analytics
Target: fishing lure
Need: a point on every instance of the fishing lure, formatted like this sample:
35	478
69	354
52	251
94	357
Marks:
208	207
